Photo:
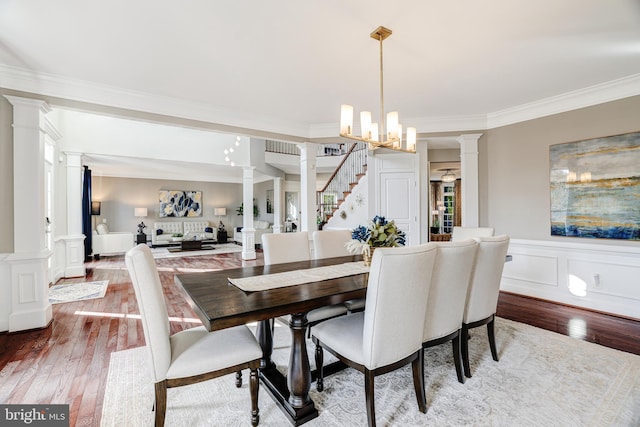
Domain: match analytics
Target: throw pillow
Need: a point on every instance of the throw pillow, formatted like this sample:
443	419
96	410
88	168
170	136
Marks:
159	231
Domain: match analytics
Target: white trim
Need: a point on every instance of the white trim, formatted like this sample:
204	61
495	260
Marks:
84	91
584	246
545	269
586	97
51	85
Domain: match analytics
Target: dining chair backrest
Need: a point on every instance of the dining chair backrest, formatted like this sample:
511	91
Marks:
463	233
153	309
397	296
449	286
285	247
330	243
482	297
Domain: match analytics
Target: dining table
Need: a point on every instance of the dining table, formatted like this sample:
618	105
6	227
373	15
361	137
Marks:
221	304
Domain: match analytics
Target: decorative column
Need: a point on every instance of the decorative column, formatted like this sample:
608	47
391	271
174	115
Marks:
469	174
277	205
308	204
74	240
248	231
30	307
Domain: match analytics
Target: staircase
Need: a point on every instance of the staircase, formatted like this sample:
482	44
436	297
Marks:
341	183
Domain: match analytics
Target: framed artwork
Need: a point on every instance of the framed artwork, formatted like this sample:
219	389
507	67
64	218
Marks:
595	188
269	201
178	203
291	205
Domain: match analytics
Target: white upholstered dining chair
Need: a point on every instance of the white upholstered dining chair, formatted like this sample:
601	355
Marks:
330	244
388	334
447	297
463	233
192	355
482	297
279	248
291	247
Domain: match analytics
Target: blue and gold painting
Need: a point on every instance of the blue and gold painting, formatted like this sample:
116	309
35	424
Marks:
595	188
177	203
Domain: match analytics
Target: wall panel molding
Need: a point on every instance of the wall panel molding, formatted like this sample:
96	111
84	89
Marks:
588	275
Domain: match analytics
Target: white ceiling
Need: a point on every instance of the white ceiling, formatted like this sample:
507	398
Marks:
285	66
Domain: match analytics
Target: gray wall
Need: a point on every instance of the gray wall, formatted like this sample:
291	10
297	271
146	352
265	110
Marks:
514	165
120	196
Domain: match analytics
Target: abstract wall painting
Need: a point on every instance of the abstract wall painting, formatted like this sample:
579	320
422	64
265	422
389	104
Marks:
595	188
178	203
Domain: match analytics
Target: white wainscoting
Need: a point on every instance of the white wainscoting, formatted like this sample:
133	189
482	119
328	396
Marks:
607	275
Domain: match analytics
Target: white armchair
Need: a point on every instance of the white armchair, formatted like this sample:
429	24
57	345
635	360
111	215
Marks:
107	242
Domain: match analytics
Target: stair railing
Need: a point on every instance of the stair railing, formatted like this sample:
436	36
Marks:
341	182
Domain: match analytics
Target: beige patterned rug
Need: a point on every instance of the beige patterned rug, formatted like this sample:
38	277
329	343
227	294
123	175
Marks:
542	379
70	292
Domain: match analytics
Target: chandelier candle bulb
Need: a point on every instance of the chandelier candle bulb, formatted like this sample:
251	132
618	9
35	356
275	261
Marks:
374	132
365	124
398	144
411	139
346	119
392	125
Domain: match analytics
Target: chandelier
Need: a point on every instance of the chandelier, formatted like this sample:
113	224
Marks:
371	133
448	176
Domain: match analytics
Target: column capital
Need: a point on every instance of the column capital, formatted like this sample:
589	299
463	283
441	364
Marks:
469	142
18	101
73	159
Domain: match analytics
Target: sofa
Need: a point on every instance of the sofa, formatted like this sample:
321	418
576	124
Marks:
108	242
261	227
163	231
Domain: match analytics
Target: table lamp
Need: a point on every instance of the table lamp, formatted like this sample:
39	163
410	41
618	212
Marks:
141	213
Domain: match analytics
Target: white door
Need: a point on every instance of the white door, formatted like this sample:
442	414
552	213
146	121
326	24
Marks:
398	202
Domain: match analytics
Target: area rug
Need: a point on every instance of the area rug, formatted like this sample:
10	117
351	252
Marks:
542	379
224	248
70	292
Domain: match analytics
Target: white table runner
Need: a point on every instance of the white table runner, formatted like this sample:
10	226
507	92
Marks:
298	277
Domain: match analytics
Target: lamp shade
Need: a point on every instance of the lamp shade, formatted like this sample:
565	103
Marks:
220	211
95	208
140	212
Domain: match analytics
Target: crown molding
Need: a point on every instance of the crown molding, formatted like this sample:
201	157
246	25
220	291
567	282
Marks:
83	91
586	97
78	90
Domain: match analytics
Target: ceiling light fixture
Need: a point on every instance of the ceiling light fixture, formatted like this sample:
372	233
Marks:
370	132
230	150
448	176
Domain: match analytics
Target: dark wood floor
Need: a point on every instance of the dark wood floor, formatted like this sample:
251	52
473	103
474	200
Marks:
68	362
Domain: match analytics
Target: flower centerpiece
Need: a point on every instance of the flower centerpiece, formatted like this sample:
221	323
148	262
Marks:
379	233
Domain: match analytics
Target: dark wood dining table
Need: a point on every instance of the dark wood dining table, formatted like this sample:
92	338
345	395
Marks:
219	305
